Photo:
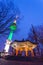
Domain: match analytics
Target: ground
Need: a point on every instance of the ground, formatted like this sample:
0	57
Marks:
10	62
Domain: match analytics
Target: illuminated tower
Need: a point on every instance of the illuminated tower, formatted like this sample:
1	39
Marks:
13	27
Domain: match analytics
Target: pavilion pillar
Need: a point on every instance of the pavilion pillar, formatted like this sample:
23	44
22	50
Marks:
32	52
26	50
16	52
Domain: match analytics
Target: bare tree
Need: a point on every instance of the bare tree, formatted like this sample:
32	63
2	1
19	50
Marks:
32	35
8	12
39	31
36	35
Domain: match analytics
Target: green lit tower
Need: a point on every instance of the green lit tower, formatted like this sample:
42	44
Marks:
13	28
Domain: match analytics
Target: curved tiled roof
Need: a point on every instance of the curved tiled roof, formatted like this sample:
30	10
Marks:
26	44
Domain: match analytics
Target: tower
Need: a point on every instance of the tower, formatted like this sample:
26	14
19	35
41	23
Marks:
13	27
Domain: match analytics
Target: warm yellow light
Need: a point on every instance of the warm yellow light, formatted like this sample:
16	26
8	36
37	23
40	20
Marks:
24	46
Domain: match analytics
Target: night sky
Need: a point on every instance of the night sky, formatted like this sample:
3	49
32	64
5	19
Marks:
32	12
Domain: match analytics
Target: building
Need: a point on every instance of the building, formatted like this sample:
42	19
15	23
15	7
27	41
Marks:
23	46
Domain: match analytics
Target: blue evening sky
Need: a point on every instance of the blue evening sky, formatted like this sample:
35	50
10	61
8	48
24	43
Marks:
32	12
